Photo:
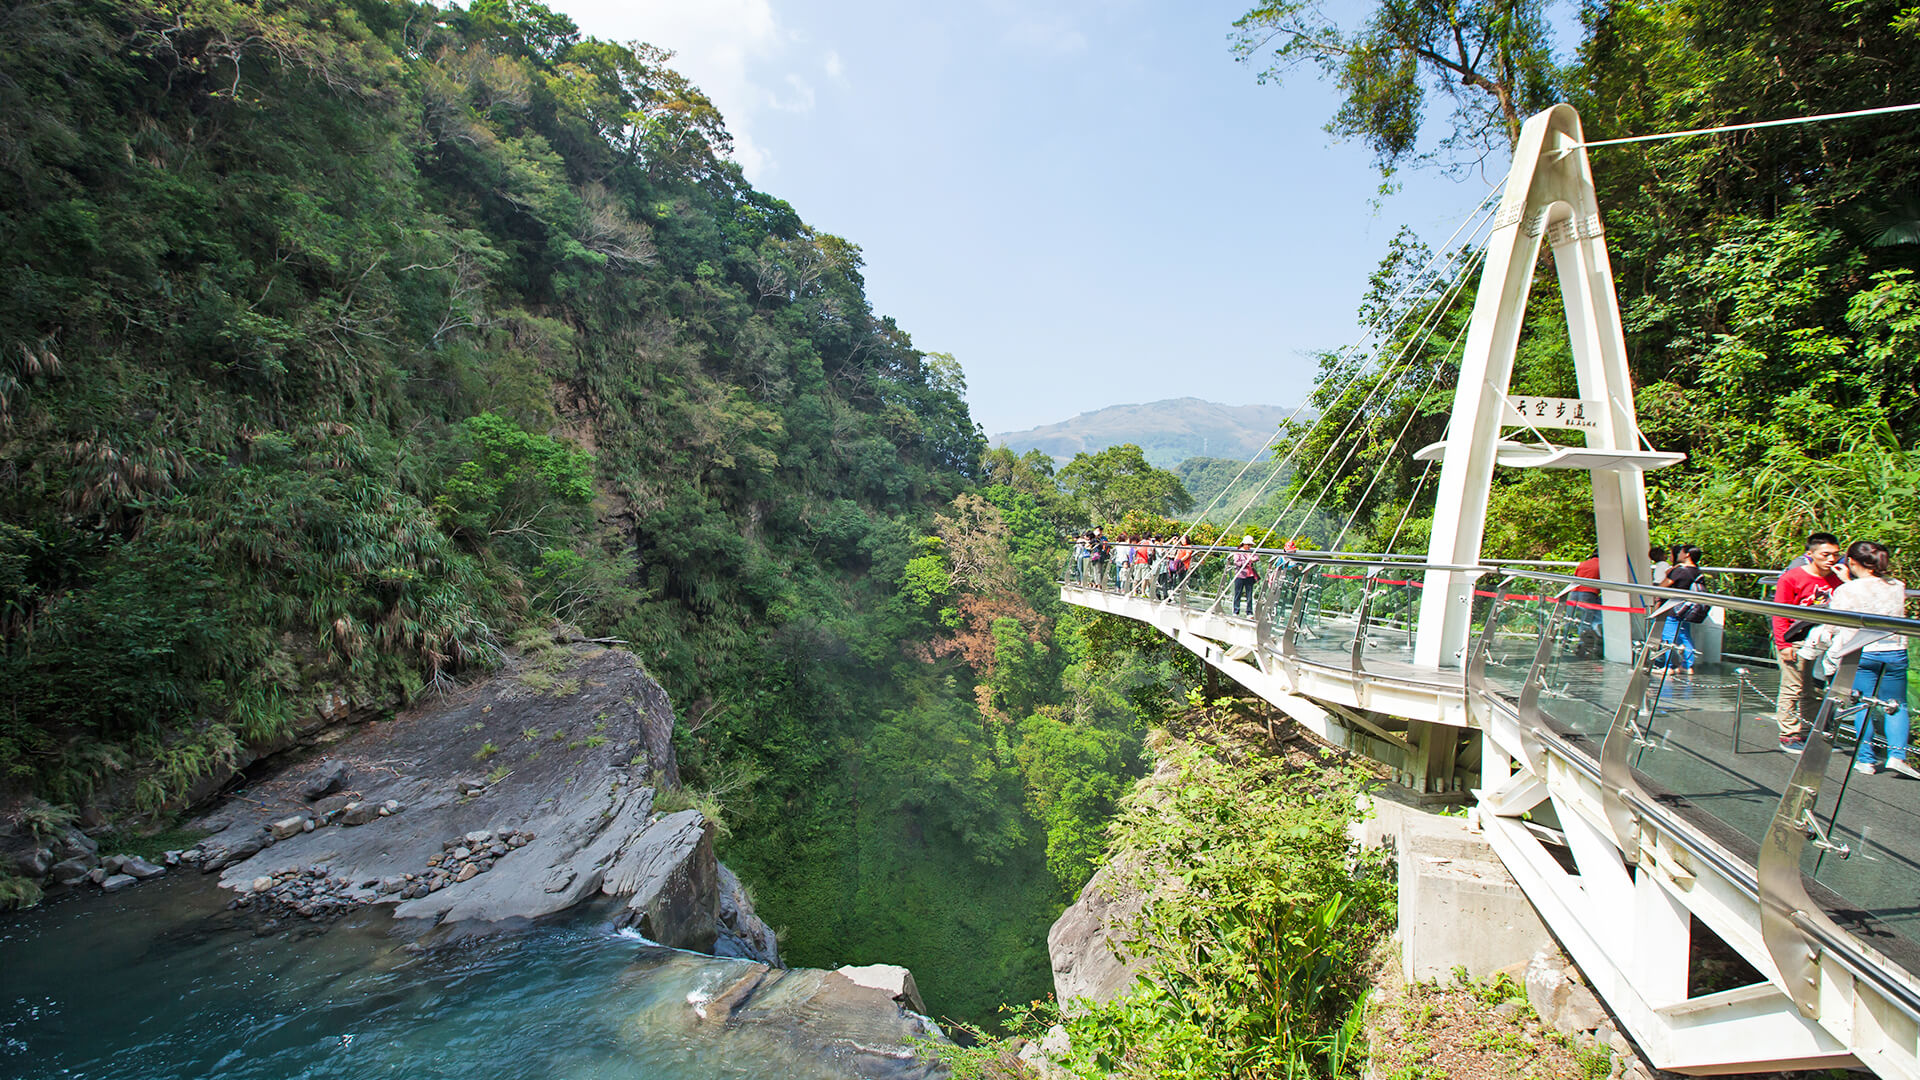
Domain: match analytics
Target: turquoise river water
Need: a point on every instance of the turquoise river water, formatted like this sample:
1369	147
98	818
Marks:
159	981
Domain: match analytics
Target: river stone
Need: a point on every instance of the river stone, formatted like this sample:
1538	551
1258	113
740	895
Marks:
97	875
330	777
391	807
74	844
117	882
467	873
575	827
1563	1003
359	813
1081	943
72	871
890	979
113	863
262	883
289	826
462	852
478	838
219	853
33	863
672	882
141	868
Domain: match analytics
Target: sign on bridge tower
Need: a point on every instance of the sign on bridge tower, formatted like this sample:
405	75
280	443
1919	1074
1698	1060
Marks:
1549	197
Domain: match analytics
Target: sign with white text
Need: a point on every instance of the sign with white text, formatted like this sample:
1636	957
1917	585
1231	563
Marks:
1546	412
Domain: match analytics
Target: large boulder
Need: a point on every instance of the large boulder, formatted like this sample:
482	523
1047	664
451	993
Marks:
1085	941
236	845
565	814
742	932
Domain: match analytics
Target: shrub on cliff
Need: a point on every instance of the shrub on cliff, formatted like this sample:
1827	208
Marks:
1260	919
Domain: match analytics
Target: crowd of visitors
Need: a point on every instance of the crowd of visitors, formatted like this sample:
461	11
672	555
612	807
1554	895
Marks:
1155	566
1809	653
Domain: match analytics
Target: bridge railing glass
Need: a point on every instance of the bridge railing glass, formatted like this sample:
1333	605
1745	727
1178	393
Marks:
1704	746
1329	612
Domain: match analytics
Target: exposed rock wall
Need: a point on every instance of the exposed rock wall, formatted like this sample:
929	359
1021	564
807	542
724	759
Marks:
527	795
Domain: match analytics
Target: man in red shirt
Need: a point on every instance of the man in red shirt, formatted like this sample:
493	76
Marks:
1808	584
1586	610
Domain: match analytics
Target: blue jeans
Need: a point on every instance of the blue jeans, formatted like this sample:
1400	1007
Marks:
1678	631
1882	675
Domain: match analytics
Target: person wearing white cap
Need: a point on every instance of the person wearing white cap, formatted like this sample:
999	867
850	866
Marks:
1246	571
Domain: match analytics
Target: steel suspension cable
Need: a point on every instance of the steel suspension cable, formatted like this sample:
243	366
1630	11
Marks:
1459	262
1387	377
1420	280
1367	334
1387	458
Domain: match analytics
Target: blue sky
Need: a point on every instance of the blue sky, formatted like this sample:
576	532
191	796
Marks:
1087	203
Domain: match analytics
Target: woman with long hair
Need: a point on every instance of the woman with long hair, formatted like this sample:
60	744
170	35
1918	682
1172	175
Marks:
1882	672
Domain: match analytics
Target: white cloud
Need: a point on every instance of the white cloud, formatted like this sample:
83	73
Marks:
833	67
737	51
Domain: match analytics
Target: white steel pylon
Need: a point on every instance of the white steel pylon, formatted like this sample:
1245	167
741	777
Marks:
1549	196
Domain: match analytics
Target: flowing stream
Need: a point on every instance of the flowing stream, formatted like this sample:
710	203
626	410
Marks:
159	981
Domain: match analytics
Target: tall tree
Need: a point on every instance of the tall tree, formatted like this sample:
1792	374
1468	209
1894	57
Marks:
1491	58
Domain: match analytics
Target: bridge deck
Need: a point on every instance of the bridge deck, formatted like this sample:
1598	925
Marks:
1688	759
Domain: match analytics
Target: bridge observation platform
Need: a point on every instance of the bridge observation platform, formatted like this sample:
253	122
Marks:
1637	806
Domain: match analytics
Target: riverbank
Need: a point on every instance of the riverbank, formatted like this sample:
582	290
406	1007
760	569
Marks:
166	980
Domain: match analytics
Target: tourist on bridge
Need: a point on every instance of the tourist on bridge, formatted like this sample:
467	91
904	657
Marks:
1098	550
1658	556
1678	632
1246	573
1809	581
1586	606
1882	672
1082	551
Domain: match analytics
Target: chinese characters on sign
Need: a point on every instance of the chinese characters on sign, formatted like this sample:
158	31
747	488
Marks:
1545	412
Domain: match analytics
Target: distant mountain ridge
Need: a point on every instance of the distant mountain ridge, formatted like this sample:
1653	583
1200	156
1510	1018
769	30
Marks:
1169	432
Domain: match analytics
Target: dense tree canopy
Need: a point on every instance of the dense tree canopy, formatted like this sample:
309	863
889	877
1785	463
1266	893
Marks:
1772	315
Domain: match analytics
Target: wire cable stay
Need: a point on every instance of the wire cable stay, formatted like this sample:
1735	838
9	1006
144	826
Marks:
1452	262
1787	122
1409	354
1459	262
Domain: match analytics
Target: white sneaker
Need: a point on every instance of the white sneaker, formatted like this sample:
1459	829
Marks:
1864	768
1899	765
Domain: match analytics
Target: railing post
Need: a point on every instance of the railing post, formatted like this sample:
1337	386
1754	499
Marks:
1785	907
1262	623
1529	703
1356	658
1287	650
1616	776
1476	665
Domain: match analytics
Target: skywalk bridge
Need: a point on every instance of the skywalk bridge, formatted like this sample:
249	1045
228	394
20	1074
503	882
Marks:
1649	816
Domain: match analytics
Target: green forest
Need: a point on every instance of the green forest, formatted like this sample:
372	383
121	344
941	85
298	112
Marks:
344	343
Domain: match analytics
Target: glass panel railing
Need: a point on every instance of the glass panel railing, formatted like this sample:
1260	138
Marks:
1520	616
1867	846
1711	741
1393	616
1580	688
1330	613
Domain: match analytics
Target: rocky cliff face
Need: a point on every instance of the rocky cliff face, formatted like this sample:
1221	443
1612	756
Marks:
529	794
